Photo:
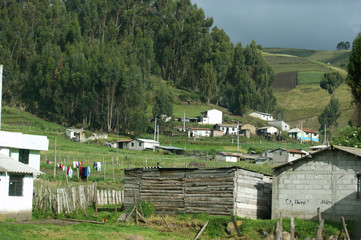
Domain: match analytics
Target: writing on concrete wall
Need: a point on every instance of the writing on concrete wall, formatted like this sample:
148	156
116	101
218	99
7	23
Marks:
326	202
296	202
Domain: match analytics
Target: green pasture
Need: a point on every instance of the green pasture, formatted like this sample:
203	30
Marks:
337	58
288	63
303	53
305	78
305	102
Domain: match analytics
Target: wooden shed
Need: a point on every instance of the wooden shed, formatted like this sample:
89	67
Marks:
216	191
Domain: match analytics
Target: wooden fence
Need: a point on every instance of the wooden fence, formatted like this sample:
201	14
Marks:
68	199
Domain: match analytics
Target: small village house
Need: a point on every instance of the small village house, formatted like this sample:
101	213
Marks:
280	125
267	131
24	148
227	129
281	155
247	130
199	132
124	143
329	179
142	144
216	191
16	189
263	116
76	135
211	117
216	133
228	156
304	134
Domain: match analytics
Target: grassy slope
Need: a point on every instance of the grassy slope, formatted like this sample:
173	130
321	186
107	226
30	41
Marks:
307	101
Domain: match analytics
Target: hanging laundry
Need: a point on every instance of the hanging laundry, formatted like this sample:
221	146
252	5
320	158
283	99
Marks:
97	166
57	165
47	162
70	172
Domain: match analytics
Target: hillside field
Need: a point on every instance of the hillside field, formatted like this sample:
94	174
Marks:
304	102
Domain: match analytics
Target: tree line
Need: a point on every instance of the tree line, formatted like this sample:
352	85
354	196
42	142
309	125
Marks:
89	62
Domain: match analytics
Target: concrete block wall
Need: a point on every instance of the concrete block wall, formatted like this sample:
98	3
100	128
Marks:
328	180
252	195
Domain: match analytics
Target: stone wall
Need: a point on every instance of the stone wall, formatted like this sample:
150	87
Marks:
327	181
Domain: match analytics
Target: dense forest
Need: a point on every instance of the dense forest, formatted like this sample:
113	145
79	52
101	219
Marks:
89	62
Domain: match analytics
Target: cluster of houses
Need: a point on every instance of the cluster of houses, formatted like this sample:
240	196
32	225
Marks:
214	117
328	179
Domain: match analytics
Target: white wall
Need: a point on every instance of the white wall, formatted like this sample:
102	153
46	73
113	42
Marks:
231	159
16	207
34	157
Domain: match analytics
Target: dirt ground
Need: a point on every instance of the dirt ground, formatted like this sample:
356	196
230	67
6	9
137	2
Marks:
57	222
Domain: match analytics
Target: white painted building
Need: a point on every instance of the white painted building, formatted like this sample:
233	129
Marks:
24	148
16	189
263	116
281	125
227	129
199	132
270	130
141	144
228	157
213	116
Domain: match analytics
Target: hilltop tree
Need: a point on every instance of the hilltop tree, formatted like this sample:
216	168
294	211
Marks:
354	78
343	46
331	81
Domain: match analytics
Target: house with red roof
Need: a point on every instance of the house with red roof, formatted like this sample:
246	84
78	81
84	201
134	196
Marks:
304	134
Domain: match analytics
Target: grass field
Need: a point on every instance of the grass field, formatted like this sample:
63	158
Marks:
305	78
305	102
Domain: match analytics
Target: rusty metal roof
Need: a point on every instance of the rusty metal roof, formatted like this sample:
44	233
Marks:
7	164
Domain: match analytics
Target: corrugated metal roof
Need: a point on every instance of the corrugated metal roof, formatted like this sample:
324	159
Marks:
7	164
355	151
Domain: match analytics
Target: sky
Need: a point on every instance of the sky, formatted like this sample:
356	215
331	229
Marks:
306	24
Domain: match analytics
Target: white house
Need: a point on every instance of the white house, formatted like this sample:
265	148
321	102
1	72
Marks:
24	148
142	144
199	132
227	129
213	116
281	125
16	189
228	157
76	135
270	130
263	116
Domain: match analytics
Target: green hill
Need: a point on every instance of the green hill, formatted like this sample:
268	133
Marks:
306	100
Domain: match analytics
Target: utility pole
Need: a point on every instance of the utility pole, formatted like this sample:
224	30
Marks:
237	136
54	158
155	133
184	121
301	132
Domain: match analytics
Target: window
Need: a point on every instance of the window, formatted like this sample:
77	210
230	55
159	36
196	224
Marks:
132	144
24	156
140	144
358	191
16	185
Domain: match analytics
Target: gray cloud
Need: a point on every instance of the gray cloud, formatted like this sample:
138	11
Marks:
309	24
